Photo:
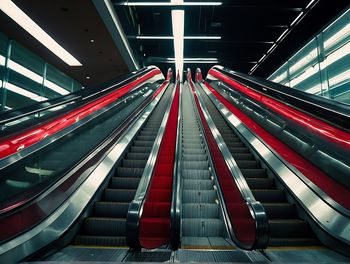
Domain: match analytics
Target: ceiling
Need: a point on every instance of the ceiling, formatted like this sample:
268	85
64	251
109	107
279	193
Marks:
248	29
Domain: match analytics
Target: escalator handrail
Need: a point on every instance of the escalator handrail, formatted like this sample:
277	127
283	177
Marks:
90	175
333	112
256	209
14	147
84	94
175	212
136	206
321	208
30	195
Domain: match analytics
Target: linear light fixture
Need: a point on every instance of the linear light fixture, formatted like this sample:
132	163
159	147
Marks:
185	37
337	37
178	23
16	89
2	60
23	20
172	3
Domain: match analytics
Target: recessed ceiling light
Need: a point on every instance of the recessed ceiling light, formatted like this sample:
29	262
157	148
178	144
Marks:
87	77
92	40
23	20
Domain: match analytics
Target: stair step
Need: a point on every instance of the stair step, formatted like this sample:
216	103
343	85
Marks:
198	196
125	182
260	183
201	227
129	172
104	226
279	210
100	240
200	210
189	184
289	228
119	195
269	195
111	209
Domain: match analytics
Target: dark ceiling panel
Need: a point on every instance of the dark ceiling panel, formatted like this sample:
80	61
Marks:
72	24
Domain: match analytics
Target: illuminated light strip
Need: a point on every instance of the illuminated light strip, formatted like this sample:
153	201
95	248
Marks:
172	3
339	36
309	4
36	77
16	89
2	60
23	20
178	23
171	37
296	19
302	62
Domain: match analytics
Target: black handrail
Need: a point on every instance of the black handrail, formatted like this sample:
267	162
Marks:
330	111
78	96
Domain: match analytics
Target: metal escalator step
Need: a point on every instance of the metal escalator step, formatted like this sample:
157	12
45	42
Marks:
100	240
231	144
146	137
186	141
143	143
129	172
269	196
248	164
193	146
201	227
289	228
133	163
279	210
198	196
260	183
197	165
189	184
243	156
196	174
111	209
200	210
105	226
119	195
238	150
140	156
194	157
125	182
148	133
230	138
254	173
190	151
140	149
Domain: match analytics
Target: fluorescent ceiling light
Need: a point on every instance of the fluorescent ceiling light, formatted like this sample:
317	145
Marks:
337	37
309	4
202	37
178	21
36	77
16	14
280	37
308	73
296	19
272	47
171	37
172	3
314	90
16	89
340	78
303	61
2	60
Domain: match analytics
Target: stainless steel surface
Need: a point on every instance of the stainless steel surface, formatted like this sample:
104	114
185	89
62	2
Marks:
256	209
328	218
136	206
175	212
60	221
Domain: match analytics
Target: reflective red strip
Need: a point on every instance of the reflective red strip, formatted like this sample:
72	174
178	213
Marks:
315	125
23	140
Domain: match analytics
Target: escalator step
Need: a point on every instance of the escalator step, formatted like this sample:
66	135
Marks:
238	150
140	156
254	173
129	172
243	156
105	226
143	143
269	196
194	157
248	164
193	146
279	210
198	196
146	137
138	149
201	227
100	240
204	210
125	183
289	228
231	144
284	242
189	184
111	209
260	183
198	165
119	195
196	174
189	151
134	163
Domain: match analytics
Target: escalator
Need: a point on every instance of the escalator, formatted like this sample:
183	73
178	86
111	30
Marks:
202	224
286	227
107	224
